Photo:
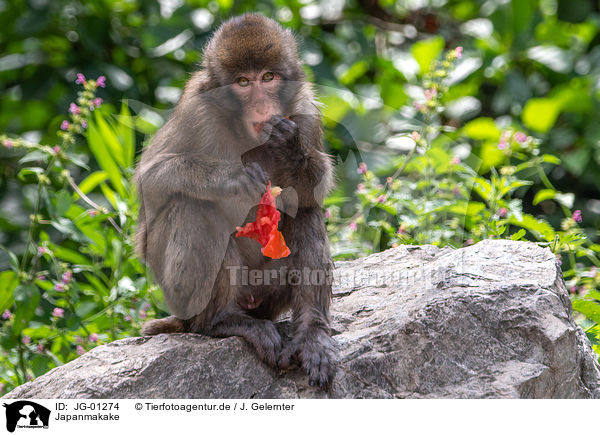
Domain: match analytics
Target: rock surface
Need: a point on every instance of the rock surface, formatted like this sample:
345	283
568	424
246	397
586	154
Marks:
490	320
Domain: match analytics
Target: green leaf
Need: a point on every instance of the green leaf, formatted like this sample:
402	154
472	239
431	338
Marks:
126	134
27	298
63	202
518	235
84	308
91	182
103	156
23	173
354	72
590	309
549	158
8	283
110	139
538	227
491	156
70	256
426	51
482	129
34	156
543	195
540	114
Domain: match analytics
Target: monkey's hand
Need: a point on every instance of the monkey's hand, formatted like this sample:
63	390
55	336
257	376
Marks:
315	351
281	141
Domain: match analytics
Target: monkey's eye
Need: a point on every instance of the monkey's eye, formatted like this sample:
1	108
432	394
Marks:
268	76
243	82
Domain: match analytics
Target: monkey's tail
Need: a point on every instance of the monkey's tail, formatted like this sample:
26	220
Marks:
168	325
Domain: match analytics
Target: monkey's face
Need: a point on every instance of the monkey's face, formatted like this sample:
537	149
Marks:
259	95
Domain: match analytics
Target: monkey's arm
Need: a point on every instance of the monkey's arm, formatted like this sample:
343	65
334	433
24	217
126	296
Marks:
296	159
193	175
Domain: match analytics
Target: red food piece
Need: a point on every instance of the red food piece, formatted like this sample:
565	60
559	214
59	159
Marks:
264	229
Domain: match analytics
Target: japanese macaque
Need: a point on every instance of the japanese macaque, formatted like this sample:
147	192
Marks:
246	118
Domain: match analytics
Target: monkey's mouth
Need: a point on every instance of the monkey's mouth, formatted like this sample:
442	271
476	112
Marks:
258	126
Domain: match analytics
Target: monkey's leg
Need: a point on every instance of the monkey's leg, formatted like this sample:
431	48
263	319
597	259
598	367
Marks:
260	333
227	318
311	344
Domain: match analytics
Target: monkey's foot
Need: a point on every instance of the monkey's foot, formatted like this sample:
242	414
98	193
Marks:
261	334
316	355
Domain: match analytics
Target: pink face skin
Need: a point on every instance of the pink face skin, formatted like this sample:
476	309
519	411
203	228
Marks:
258	92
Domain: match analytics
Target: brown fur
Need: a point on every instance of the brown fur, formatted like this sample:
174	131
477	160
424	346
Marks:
203	175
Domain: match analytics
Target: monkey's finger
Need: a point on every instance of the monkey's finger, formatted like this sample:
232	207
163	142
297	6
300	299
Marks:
287	127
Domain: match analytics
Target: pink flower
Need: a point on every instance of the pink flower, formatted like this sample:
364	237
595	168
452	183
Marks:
7	143
28	377
142	314
577	216
327	214
502	212
40	348
42	277
381	199
80	350
78	339
43	250
97	102
80	79
573	289
101	81
59	287
66	278
401	230
418	106
458	51
26	339
415	136
84	123
56	149
92	212
502	144
58	312
389	180
469	242
430	93
6	315
93	337
520	137
353	226
360	187
65	125
128	318
455	160
74	109
362	168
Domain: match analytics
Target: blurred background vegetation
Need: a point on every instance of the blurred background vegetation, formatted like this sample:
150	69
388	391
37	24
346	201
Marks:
509	145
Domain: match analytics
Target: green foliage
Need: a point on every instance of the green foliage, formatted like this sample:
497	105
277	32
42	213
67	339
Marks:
78	282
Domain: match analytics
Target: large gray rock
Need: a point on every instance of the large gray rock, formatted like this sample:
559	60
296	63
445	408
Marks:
490	320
